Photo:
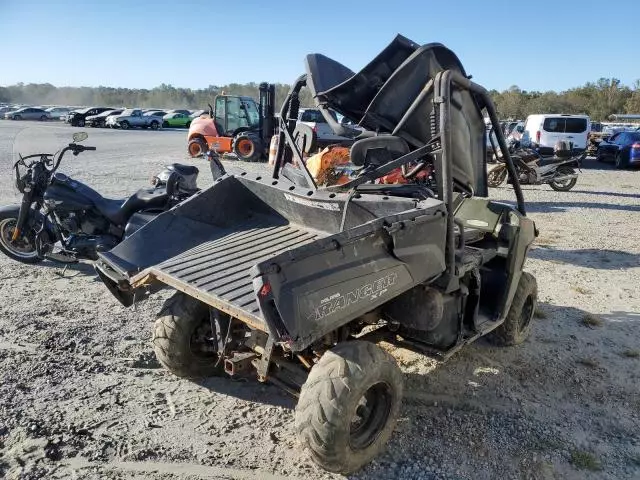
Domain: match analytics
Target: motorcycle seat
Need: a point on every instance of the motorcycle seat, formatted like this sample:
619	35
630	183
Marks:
120	211
185	170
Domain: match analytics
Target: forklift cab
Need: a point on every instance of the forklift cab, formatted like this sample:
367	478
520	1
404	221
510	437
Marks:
233	113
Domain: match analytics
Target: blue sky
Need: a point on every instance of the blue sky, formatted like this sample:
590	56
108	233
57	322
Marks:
195	43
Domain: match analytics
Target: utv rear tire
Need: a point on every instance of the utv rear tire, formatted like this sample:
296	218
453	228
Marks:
182	320
197	147
247	147
340	432
517	326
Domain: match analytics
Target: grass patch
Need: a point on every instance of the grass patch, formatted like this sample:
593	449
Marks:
591	320
539	313
631	353
588	362
585	461
581	290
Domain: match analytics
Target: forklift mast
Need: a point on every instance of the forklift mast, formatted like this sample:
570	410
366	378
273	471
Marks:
267	110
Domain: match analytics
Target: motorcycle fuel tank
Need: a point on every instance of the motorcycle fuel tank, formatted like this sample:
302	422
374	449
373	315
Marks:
68	194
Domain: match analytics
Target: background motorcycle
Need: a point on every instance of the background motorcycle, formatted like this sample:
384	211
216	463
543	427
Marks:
57	209
560	173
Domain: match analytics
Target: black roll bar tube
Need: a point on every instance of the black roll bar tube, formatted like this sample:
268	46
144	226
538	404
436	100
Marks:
464	82
288	121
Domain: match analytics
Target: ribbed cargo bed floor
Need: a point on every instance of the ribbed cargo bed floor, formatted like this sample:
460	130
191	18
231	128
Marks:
218	271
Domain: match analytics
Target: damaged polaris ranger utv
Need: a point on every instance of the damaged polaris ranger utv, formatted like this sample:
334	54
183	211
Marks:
297	283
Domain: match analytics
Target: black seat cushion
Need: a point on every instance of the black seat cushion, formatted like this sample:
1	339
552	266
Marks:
376	151
185	170
119	212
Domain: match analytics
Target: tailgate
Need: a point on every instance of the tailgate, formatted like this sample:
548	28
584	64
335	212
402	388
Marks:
218	272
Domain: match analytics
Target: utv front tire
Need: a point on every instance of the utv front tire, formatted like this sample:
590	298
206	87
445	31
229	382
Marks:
517	326
178	335
349	405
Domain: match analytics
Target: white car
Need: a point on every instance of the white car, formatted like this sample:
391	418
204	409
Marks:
542	132
324	134
56	113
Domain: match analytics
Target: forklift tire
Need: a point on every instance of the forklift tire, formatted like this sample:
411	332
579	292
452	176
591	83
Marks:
197	147
349	405
178	335
517	326
246	147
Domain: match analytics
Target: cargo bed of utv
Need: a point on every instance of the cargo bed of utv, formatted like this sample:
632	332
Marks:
283	258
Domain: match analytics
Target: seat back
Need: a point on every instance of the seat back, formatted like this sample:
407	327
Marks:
382	97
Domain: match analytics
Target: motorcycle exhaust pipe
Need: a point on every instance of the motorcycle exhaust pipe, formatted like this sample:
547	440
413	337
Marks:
562	178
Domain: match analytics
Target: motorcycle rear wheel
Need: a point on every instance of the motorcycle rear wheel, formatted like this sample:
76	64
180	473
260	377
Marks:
24	249
565	185
496	176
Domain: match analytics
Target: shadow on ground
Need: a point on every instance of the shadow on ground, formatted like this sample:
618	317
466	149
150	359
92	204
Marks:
589	257
609	194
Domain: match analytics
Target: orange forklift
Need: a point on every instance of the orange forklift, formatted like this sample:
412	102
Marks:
236	124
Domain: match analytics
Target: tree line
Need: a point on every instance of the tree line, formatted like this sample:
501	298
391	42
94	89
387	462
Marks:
163	96
597	99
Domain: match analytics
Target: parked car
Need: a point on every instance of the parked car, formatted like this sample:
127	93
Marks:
155	113
623	148
176	120
6	109
133	117
516	132
177	110
542	132
325	135
28	113
56	113
197	113
100	119
78	118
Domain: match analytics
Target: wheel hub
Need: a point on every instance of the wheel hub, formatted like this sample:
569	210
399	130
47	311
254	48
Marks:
22	247
527	313
370	416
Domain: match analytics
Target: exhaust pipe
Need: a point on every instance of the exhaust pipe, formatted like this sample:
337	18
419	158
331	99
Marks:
562	178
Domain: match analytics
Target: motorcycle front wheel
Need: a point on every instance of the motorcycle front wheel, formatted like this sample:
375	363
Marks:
496	176
564	185
24	248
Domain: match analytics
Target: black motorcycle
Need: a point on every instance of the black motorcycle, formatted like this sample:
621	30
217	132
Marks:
559	171
59	211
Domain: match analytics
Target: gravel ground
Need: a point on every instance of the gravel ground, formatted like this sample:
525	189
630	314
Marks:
82	396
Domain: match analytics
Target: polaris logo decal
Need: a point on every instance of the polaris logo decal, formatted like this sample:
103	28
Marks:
339	301
334	207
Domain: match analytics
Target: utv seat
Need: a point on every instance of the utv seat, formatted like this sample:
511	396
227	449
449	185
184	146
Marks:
185	170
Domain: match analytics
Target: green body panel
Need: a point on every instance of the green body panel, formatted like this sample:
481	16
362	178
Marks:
179	121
